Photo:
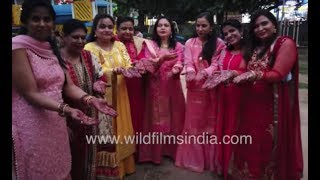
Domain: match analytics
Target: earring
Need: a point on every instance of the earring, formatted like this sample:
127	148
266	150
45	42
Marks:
274	31
241	37
170	35
95	35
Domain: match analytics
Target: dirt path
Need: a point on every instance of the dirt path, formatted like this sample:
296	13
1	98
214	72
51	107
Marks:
168	171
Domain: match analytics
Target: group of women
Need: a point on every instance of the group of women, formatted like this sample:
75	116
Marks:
120	85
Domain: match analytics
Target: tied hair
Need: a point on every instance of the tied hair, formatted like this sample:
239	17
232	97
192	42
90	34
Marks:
53	43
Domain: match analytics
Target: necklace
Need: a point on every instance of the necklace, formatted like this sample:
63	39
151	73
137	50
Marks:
164	45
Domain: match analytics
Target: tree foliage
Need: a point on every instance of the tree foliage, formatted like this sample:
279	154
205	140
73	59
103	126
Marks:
184	10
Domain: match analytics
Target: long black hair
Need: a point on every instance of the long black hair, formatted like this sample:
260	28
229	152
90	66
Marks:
236	24
156	37
28	7
92	36
253	41
211	44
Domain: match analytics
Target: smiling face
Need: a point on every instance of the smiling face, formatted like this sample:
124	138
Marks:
203	27
164	28
40	24
104	29
126	31
264	28
75	41
232	35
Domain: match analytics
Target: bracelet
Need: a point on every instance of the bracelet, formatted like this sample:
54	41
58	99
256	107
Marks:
254	74
85	99
61	109
88	99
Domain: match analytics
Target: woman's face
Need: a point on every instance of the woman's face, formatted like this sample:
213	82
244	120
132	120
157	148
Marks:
40	24
126	31
203	27
75	41
231	35
263	28
104	29
163	28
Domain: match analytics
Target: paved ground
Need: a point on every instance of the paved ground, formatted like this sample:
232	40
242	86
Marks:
167	170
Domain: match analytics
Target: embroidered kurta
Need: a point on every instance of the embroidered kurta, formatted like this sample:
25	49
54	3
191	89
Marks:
40	137
84	75
165	105
269	113
136	86
118	96
200	109
228	115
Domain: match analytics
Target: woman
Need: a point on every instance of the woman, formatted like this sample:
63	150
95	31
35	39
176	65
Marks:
39	130
136	86
200	54
269	105
228	93
86	73
115	61
134	45
165	104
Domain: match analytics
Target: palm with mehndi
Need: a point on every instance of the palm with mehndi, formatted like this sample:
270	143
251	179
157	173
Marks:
144	65
201	75
176	69
102	106
245	77
100	87
218	78
80	116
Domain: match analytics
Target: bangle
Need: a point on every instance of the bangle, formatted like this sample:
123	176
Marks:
254	74
61	109
85	99
88	99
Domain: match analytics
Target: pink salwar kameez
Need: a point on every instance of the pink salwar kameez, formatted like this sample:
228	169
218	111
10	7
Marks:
200	110
165	105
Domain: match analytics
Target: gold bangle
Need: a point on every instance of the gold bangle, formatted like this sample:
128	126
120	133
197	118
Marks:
88	99
61	110
83	98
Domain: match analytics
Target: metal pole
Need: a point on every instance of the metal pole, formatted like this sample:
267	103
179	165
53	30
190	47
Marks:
297	40
294	30
288	27
111	8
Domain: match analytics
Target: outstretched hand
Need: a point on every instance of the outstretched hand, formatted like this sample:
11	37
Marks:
100	87
176	69
244	77
217	79
168	56
78	115
118	70
102	106
201	75
134	72
139	66
144	65
190	75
